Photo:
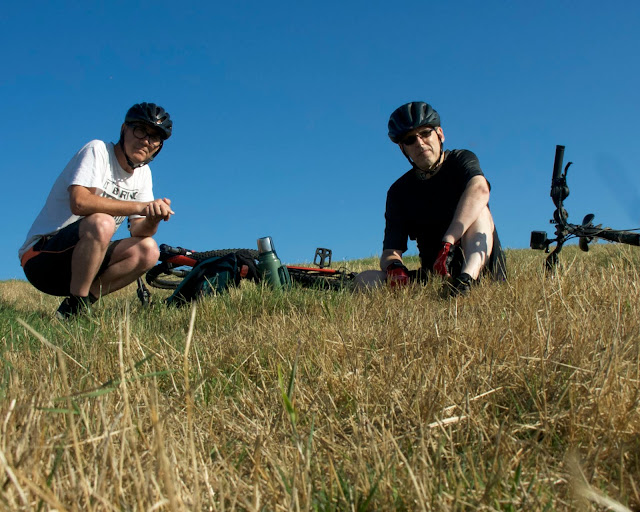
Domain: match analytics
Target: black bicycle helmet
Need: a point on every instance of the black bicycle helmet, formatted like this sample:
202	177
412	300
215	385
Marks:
152	115
409	117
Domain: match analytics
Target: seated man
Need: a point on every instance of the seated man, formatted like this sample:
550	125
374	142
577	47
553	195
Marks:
442	203
68	250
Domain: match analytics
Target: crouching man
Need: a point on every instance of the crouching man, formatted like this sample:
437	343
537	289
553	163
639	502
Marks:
68	251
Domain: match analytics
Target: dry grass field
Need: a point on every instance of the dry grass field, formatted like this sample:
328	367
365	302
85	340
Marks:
523	395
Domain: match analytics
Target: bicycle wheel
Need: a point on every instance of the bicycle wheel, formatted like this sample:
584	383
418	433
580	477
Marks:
167	275
165	278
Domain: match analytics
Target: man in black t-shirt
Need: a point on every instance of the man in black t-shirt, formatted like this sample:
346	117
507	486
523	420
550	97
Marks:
442	203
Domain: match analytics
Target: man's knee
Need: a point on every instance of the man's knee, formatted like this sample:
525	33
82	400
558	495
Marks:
98	226
148	252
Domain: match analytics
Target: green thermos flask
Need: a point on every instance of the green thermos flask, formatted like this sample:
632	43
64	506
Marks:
269	265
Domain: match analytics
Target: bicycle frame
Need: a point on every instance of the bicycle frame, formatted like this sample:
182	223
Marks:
586	231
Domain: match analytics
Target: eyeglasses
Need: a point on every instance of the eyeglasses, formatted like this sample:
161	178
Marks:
140	132
423	134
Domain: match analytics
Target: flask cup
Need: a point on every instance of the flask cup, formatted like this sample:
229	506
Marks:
265	244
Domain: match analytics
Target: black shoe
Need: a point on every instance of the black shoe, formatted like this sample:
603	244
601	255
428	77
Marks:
71	306
461	285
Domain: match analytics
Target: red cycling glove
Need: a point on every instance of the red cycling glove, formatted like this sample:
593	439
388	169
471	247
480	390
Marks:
397	274
443	261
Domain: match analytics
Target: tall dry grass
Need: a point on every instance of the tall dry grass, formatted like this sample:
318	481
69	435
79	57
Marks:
522	396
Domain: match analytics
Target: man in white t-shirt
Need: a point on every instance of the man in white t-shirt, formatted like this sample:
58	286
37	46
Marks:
68	250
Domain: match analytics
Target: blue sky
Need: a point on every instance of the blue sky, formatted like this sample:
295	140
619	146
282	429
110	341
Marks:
280	110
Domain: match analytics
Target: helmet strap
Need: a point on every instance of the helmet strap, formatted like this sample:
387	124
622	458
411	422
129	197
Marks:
431	170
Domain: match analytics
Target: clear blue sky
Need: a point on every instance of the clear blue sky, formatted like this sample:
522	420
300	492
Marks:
280	109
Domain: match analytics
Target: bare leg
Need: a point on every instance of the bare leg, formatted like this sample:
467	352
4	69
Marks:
477	243
130	259
95	234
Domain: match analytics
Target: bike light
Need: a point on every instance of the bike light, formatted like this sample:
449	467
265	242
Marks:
539	240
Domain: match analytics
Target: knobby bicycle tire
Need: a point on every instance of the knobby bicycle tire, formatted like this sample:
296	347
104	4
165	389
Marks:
166	277
199	256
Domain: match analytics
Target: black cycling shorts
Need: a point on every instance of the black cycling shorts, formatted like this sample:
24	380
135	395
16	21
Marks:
49	269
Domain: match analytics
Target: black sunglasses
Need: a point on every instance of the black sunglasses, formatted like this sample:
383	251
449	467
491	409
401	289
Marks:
423	134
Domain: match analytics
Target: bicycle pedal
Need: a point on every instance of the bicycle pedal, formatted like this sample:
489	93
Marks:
322	257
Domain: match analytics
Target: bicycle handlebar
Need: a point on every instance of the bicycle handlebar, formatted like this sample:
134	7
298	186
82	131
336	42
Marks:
586	232
612	235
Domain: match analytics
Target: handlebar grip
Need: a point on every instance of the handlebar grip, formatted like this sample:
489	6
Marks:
557	164
168	249
621	237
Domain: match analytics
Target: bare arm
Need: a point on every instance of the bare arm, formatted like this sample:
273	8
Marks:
389	256
473	200
84	201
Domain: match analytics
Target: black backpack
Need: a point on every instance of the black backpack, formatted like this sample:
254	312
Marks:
215	275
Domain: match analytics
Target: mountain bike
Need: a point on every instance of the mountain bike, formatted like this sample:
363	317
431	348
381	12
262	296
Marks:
586	232
176	262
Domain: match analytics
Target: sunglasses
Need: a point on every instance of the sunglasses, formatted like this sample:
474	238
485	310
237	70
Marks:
423	134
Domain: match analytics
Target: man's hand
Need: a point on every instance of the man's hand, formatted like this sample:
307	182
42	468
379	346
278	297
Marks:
397	274
443	261
158	210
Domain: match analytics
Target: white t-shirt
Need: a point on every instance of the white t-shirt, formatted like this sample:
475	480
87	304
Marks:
95	165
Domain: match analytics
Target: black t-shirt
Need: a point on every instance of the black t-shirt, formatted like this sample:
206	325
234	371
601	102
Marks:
422	209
